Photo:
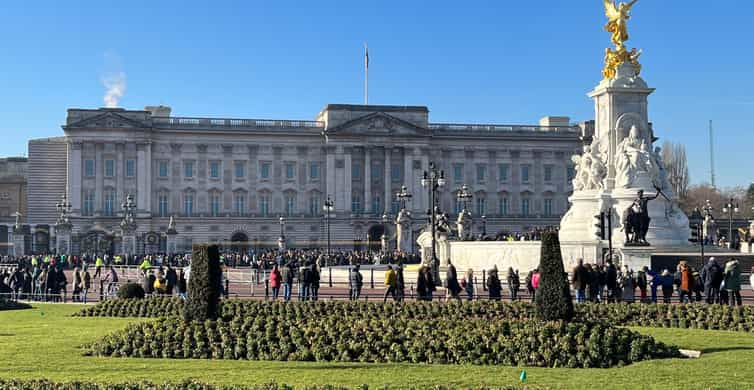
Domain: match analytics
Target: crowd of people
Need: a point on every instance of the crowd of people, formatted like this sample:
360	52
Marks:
719	284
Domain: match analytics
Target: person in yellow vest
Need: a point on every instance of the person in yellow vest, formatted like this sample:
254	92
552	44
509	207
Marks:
160	283
34	261
145	265
117	260
98	264
390	283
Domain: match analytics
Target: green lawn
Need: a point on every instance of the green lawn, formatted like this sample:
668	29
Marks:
43	343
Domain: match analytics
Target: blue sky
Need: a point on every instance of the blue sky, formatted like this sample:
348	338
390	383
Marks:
474	61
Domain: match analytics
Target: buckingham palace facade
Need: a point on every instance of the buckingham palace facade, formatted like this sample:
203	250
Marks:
230	180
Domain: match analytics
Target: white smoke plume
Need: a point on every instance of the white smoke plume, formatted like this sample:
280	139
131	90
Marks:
115	83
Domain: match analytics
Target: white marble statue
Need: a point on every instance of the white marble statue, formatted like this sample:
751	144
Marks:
633	156
590	171
709	228
403	230
463	224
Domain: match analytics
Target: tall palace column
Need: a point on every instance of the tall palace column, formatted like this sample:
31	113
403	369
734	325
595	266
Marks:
388	181
367	180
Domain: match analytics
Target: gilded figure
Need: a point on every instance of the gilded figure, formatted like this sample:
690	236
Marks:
617	16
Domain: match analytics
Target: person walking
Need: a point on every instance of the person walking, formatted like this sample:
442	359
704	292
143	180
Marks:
275	282
611	282
493	285
171	278
666	282
287	276
86	283
468	284
712	276
451	283
535	283
355	282
513	283
733	282
529	285
579	280
626	285
390	280
686	282
314	287
641	283
400	284
77	283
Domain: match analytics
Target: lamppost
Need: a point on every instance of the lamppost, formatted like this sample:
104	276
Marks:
383	239
433	180
464	196
700	228
484	226
730	208
403	196
328	208
281	240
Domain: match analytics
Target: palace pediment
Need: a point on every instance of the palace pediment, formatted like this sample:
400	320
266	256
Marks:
379	124
109	120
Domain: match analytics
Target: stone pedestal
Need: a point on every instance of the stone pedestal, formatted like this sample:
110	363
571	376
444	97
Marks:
128	244
19	244
62	240
620	161
172	243
281	243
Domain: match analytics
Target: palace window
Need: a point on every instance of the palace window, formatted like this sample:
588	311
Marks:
214	169
214	204
130	168
188	204
525	174
290	204
356	172
264	170
109	206
503	172
240	169
239	204
290	170
481	173
458	173
356	204
188	169
162	204
89	168
548	173
548	207
395	173
314	205
525	207
376	204
264	204
163	169
109	168
503	206
481	205
88	203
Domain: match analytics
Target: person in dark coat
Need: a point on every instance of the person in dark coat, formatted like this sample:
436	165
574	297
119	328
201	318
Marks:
513	283
400	284
171	278
287	274
451	283
493	285
579	280
712	276
611	282
314	287
355	282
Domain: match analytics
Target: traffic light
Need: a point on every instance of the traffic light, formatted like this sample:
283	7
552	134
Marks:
600	225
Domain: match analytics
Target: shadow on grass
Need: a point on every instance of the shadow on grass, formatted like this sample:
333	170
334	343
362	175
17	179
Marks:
726	349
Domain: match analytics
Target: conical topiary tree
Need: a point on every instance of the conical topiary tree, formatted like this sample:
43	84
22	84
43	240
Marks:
204	285
553	298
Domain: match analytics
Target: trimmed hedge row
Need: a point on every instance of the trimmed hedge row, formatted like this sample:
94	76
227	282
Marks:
12	305
669	316
385	339
14	384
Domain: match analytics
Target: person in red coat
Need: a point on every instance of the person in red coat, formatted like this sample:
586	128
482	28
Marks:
275	281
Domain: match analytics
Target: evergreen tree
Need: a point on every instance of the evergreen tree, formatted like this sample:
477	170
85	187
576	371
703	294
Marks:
553	298
204	285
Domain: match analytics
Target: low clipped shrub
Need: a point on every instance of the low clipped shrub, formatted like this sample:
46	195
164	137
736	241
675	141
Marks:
380	339
14	384
131	291
656	315
12	305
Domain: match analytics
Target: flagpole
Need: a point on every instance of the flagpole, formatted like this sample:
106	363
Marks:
366	74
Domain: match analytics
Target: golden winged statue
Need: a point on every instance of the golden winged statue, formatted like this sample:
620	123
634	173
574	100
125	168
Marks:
617	16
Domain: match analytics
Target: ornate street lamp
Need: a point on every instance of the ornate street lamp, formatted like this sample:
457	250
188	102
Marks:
433	180
64	210
281	240
464	196
403	196
383	239
731	207
328	207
